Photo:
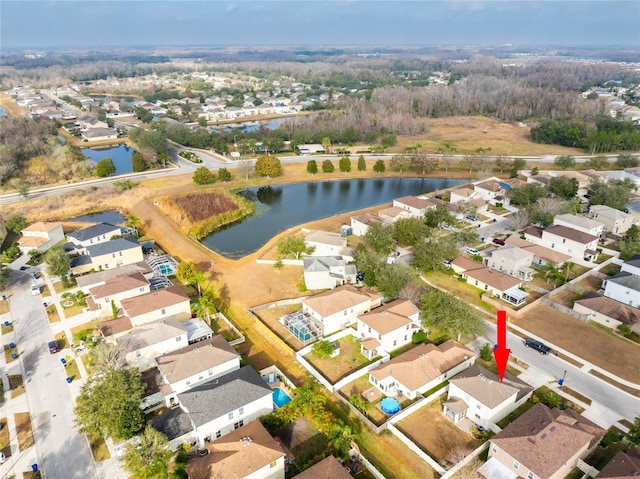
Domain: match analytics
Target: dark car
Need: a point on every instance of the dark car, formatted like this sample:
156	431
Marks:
498	241
472	217
537	345
53	347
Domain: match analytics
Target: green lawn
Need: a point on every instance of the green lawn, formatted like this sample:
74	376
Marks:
460	289
52	313
6	329
72	371
343	364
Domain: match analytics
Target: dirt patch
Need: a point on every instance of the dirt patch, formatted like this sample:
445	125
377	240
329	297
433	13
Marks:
348	361
594	345
16	385
590	283
23	428
434	433
4	437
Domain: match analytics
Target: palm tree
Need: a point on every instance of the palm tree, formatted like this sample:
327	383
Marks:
552	400
134	222
309	400
340	438
567	268
207	305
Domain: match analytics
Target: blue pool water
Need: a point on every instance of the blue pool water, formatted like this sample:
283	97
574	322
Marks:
280	398
390	405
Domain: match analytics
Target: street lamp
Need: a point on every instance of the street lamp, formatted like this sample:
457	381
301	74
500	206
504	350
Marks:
561	381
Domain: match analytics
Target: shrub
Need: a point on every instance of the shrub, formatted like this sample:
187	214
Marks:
419	337
224	174
327	166
105	167
322	349
486	353
203	176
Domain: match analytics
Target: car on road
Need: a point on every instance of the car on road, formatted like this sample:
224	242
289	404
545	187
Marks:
35	289
53	347
472	217
498	241
537	345
473	251
446	227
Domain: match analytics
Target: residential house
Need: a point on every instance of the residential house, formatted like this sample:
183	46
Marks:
607	311
512	260
114	328
190	366
541	254
249	452
218	407
325	243
99	278
95	234
339	308
495	283
360	224
508	185
545	443
479	395
328	468
462	195
99	134
40	237
146	342
624	465
489	191
580	223
88	122
107	298
575	243
388	327
615	221
157	305
415	205
326	272
197	330
115	253
623	287
392	214
175	424
421	368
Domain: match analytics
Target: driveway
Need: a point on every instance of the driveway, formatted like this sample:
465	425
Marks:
62	452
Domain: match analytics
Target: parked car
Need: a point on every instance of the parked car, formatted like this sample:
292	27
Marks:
2	457
447	227
35	289
498	241
473	251
537	345
472	217
53	347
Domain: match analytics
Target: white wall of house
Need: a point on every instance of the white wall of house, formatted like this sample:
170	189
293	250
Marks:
617	226
509	265
564	245
621	293
341	319
629	268
96	240
226	423
479	284
53	237
595	230
182	310
597	316
325	249
389	341
144	358
275	470
413	211
358	228
319	280
202	377
104	303
118	258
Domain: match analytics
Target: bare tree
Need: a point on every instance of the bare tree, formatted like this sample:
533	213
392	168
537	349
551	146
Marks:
520	220
245	168
413	292
424	163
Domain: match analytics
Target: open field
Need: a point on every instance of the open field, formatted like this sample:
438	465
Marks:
594	346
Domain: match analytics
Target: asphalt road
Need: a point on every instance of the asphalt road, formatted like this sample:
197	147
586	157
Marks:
624	404
62	452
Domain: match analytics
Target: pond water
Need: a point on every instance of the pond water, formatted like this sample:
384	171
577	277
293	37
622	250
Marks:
249	125
280	207
121	156
2	111
111	217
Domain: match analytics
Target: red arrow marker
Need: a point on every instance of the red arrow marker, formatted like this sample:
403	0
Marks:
500	351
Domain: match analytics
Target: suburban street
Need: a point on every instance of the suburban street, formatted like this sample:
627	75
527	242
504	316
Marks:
622	403
62	452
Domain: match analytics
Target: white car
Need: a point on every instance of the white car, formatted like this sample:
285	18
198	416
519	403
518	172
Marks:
446	227
35	289
2	458
473	251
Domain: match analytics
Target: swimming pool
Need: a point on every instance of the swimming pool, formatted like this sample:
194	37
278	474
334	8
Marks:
280	398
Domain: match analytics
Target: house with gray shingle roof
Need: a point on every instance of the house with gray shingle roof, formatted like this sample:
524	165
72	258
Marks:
545	443
623	287
479	395
95	234
112	254
229	402
176	425
326	272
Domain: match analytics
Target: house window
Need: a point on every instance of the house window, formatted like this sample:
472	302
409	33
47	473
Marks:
188	383
369	329
516	464
405	337
241	411
530	475
178	338
138	354
200	378
345	312
477	416
113	255
238	424
106	265
494	449
394	342
218	434
476	282
564	240
553	245
210	372
273	464
478	406
120	253
231	415
163	311
142	290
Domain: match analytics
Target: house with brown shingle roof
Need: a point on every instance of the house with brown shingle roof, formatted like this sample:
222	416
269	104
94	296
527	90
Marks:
495	283
606	310
541	254
40	236
421	368
545	443
615	221
157	305
248	452
463	195
572	242
489	190
340	307
114	291
360	224
479	395
391	325
415	205
393	214
328	468
624	465
512	260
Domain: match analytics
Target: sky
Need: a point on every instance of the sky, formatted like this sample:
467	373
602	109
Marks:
89	23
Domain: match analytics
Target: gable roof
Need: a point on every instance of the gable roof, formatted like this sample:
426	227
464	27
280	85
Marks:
624	465
609	212
151	333
495	279
415	202
490	185
633	261
579	221
624	278
422	364
154	301
119	285
466	264
108	274
512	253
173	423
570	233
324	263
195	358
539	251
227	393
544	439
485	386
236	455
328	468
464	192
390	317
339	299
610	307
41	227
112	246
325	237
115	326
93	231
367	219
